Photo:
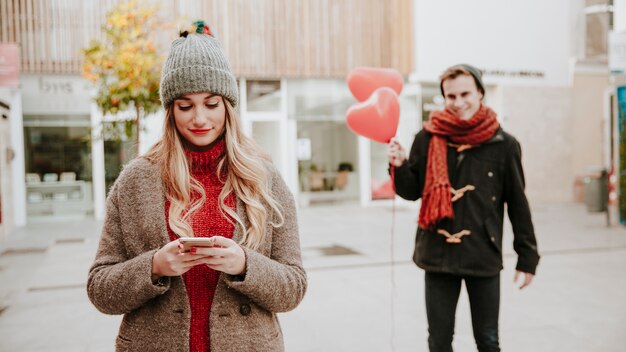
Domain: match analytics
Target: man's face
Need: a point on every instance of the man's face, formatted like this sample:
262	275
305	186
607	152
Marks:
462	96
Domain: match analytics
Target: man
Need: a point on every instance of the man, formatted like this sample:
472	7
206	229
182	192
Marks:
464	167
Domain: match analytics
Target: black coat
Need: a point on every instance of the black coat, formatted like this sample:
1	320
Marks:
495	169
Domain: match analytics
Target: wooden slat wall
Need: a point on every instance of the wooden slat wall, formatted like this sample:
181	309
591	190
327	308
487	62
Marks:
51	33
263	38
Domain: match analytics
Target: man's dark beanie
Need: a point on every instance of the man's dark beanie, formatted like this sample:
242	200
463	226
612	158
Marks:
476	73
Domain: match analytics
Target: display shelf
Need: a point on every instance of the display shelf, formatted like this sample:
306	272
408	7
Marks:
52	198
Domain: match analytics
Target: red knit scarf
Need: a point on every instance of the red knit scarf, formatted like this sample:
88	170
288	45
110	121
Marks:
200	280
444	126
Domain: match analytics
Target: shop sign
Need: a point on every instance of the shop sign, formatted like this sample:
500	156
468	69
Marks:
55	94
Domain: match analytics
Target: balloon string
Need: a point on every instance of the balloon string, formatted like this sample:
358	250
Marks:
392	266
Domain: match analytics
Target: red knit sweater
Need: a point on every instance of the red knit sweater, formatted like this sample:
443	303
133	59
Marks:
200	280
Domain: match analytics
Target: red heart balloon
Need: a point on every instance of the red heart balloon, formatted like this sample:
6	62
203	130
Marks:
363	81
377	117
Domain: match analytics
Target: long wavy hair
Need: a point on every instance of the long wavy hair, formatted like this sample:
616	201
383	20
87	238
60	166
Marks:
241	168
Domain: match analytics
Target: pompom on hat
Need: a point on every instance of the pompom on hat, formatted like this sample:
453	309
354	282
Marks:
197	63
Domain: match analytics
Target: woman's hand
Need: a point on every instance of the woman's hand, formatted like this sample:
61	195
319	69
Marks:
395	153
226	256
171	261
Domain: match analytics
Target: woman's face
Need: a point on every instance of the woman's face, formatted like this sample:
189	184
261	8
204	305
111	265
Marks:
200	117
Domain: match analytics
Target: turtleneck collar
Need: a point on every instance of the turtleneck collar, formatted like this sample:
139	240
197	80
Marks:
205	158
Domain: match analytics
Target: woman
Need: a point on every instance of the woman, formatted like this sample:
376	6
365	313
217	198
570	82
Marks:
204	178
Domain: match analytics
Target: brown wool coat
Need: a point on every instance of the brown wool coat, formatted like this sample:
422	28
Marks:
156	317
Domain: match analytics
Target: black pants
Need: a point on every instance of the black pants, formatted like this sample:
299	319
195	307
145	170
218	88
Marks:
442	295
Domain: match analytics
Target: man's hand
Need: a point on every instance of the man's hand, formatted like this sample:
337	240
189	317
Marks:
395	153
528	278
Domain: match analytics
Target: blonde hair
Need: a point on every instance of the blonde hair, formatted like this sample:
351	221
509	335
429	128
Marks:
242	167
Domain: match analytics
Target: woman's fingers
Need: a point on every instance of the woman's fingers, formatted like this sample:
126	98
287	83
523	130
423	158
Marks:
226	256
220	241
221	246
190	257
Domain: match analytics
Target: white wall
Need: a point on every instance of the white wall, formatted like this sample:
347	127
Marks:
152	130
17	164
266	135
540	119
619	15
507	36
331	143
6	196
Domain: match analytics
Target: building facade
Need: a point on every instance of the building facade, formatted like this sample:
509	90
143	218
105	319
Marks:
290	57
544	64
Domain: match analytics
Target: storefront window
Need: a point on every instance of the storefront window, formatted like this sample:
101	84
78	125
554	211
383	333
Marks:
327	150
57	152
263	96
119	149
265	134
318	100
327	158
598	23
431	100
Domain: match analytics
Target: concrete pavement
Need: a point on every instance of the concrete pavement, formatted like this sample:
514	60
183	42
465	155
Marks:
358	298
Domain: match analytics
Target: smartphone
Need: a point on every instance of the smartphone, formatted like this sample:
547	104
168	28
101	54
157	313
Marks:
188	242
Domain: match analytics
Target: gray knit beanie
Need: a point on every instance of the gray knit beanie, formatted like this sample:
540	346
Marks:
476	74
196	63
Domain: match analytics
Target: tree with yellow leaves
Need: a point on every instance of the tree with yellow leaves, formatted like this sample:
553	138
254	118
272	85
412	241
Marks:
125	65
